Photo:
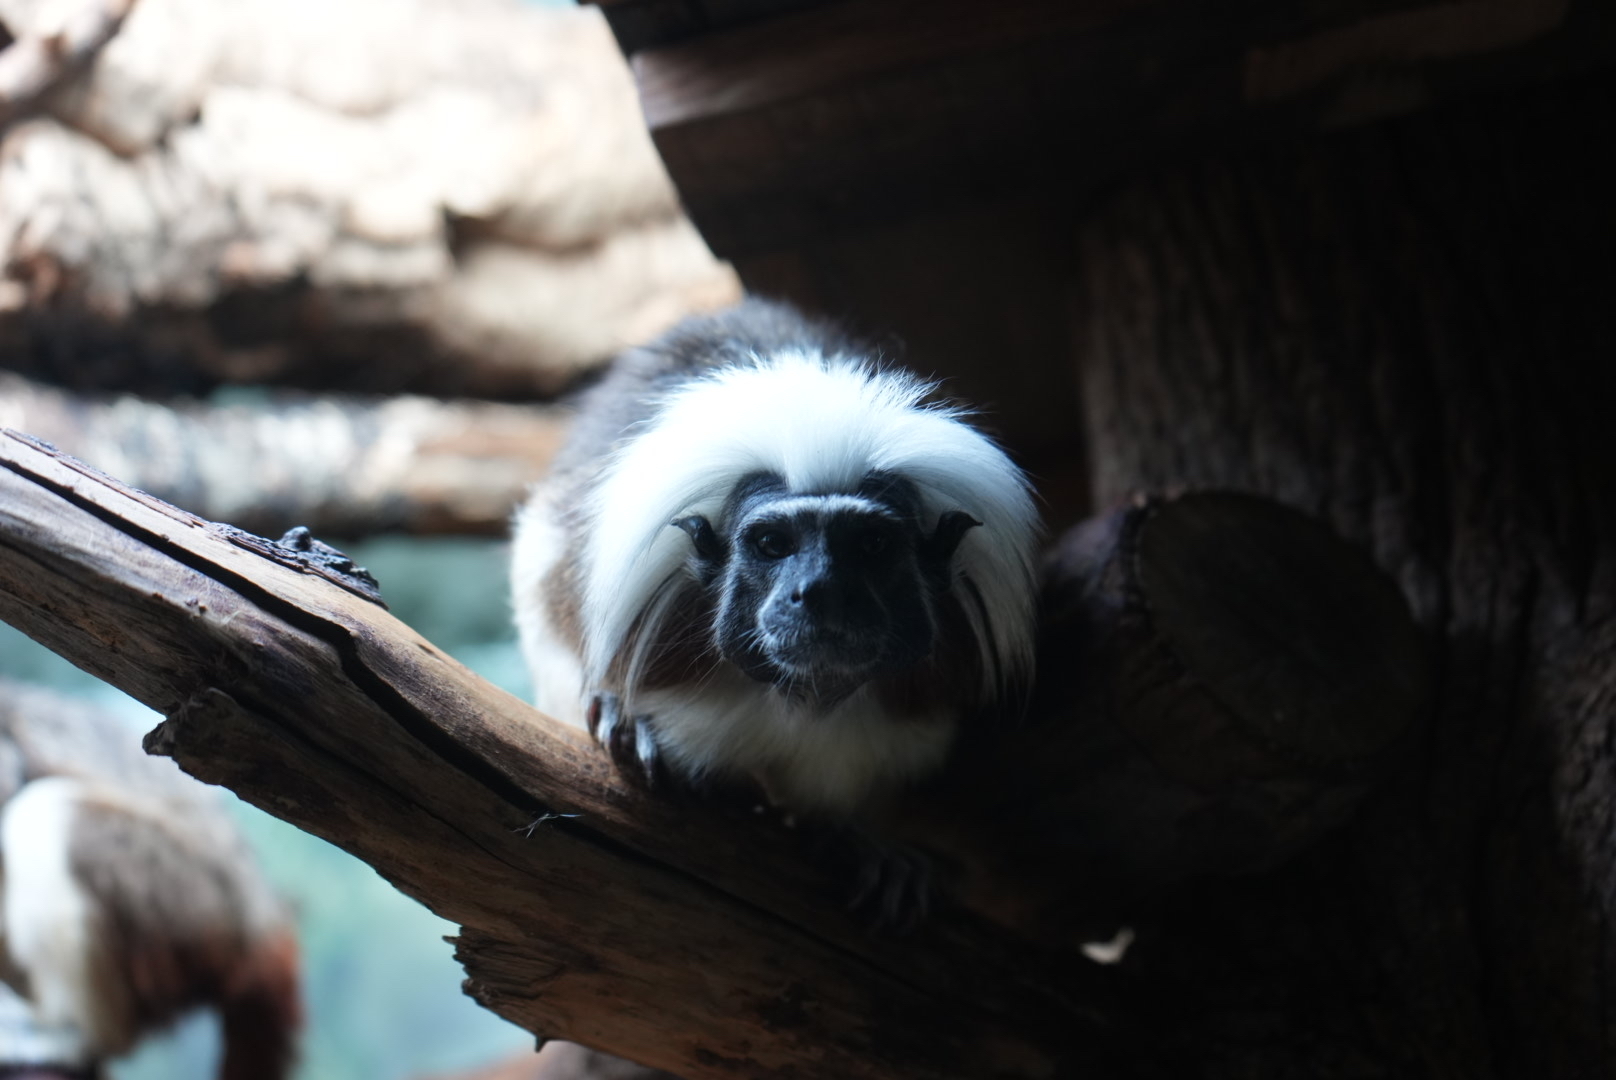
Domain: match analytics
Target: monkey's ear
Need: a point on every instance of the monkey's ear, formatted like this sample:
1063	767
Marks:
951	529
708	546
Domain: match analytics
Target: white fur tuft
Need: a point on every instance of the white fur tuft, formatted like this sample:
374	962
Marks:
823	424
47	917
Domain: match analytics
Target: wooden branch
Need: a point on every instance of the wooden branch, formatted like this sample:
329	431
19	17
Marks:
343	467
666	933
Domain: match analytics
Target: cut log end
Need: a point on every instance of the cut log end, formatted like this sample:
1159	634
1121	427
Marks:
1223	679
1289	637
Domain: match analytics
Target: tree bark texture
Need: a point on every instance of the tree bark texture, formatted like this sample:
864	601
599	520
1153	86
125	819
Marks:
429	195
1405	330
340	466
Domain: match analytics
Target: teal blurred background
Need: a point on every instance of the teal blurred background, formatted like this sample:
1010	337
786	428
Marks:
381	985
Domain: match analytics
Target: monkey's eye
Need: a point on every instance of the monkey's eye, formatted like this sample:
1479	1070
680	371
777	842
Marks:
874	542
774	543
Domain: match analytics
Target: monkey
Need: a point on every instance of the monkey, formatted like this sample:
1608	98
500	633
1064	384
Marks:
763	554
127	897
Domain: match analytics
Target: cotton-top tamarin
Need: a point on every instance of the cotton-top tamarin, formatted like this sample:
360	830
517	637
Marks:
128	898
763	554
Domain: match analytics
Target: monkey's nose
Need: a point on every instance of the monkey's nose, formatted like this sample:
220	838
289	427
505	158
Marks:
820	601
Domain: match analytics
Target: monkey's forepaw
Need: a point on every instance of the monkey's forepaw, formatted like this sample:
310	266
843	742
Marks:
628	739
892	884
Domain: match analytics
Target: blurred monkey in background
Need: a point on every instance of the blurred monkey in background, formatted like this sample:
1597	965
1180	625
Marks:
128	898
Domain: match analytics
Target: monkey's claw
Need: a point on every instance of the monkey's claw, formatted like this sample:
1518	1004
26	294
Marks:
893	884
628	739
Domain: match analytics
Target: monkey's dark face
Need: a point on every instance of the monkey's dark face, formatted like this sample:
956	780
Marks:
818	594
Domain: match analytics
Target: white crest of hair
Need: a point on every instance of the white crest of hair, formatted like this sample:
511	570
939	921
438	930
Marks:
47	917
822	424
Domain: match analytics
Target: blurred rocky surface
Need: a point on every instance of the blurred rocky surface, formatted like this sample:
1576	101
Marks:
441	196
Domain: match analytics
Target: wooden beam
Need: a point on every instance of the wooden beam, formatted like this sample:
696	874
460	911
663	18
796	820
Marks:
847	114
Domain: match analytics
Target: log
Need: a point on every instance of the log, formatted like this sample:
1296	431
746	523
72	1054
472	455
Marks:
1232	681
674	935
1223	683
340	466
429	196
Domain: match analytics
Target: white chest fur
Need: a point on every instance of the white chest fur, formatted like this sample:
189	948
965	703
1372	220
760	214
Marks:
817	762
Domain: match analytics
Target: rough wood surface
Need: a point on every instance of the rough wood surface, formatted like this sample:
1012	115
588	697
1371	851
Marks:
847	115
340	466
430	195
667	933
1406	331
